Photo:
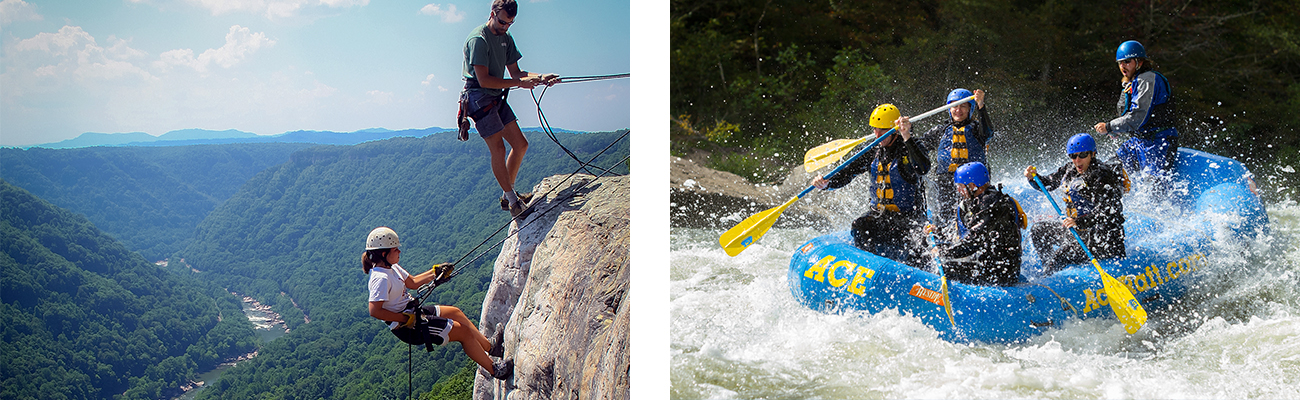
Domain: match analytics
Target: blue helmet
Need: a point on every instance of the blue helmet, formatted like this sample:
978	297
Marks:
1130	49
1080	143
958	94
972	173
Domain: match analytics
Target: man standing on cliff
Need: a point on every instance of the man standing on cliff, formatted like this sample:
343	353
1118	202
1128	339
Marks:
489	52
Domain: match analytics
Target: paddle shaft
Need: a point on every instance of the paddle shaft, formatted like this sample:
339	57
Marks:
821	155
945	107
943	280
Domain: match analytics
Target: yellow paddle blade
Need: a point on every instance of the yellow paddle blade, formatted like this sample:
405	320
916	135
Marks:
1122	302
947	304
736	239
829	153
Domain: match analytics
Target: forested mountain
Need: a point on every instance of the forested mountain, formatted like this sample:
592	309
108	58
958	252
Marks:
149	198
293	236
191	137
84	318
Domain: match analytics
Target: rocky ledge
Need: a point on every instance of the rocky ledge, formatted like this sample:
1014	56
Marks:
701	197
560	292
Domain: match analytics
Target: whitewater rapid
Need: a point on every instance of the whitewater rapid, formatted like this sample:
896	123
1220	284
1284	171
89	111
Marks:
738	333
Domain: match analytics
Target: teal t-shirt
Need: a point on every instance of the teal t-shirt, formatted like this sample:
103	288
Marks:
482	47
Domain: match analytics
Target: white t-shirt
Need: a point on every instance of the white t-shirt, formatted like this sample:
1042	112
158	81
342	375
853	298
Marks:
389	286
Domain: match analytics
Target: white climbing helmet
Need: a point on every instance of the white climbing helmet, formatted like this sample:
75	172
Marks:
381	238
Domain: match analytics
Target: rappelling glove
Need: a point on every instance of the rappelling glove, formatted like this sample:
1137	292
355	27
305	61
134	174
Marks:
410	320
442	273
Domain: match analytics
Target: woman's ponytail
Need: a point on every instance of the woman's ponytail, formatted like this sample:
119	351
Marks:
371	258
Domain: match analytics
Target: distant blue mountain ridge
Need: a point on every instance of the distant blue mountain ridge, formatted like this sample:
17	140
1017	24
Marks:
187	137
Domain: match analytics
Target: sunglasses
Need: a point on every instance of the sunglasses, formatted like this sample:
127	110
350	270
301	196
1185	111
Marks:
503	22
1080	154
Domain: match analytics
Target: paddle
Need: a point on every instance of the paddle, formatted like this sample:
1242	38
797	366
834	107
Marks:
828	153
1126	308
736	239
943	280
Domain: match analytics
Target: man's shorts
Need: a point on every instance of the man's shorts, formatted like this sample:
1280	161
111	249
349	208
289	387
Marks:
430	329
496	117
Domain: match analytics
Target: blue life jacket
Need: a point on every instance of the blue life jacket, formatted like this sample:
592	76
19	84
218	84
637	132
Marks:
893	193
1075	203
960	145
1160	118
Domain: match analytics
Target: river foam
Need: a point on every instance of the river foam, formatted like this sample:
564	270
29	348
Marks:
738	333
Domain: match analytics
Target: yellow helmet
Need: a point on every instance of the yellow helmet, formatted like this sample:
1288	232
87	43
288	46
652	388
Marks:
884	116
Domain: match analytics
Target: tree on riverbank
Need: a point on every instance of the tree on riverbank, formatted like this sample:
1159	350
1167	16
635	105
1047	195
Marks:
84	318
757	83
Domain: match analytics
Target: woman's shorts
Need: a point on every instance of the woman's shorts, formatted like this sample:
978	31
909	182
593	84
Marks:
430	329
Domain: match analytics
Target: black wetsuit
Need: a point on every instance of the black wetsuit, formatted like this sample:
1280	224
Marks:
989	251
1094	200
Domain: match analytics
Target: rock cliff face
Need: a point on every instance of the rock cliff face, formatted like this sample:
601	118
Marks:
701	197
560	292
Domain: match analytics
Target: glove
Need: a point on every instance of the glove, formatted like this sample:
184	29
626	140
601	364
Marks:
410	320
442	273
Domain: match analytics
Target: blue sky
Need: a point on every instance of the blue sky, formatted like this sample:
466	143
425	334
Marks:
271	66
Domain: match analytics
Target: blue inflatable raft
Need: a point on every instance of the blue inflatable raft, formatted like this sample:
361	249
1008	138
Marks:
1166	256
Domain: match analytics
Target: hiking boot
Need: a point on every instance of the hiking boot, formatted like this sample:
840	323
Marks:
525	199
517	210
503	370
498	342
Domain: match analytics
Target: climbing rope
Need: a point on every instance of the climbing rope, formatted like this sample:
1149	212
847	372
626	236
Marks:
424	291
541	116
428	288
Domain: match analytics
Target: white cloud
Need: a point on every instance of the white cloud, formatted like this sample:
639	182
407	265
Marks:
428	80
321	90
380	97
17	10
73	53
240	43
449	15
345	3
56	44
274	8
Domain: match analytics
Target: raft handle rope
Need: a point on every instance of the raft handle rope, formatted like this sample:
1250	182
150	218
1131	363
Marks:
428	288
546	126
1065	304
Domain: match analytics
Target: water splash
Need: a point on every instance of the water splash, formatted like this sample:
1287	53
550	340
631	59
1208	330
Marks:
738	333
